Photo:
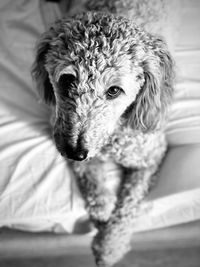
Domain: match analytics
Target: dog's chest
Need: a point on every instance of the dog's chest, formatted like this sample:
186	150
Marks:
126	149
134	149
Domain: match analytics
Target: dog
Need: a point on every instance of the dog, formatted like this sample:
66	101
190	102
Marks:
109	84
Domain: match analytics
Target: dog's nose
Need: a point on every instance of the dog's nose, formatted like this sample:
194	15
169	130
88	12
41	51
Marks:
80	155
76	154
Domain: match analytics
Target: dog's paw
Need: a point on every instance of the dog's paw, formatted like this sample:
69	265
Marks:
110	245
101	209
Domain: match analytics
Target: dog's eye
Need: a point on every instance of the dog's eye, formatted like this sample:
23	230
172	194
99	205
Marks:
66	81
113	92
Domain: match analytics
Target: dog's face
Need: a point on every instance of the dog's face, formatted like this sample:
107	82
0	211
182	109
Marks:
95	70
90	104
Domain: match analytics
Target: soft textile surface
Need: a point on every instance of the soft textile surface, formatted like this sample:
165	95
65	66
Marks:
184	125
37	190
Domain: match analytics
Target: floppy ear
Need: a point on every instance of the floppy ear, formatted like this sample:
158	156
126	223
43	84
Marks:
149	109
39	72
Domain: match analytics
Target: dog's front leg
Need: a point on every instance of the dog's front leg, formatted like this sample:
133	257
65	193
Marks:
99	182
113	240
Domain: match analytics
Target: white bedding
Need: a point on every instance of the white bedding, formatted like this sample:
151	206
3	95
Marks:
37	189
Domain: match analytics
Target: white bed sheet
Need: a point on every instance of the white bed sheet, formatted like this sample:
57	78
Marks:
37	189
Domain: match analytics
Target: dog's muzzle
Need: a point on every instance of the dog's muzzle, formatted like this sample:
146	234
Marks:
66	149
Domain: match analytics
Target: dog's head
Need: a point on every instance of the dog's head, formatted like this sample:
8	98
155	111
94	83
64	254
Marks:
99	71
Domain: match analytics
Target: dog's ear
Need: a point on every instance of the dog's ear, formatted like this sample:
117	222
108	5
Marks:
39	72
147	112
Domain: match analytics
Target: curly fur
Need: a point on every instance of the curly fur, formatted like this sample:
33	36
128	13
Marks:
120	140
150	14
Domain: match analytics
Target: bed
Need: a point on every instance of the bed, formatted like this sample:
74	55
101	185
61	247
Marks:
42	216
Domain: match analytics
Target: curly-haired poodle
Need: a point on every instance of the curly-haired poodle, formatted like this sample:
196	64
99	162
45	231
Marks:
109	83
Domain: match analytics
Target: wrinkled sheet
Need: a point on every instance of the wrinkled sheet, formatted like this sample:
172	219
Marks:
37	189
